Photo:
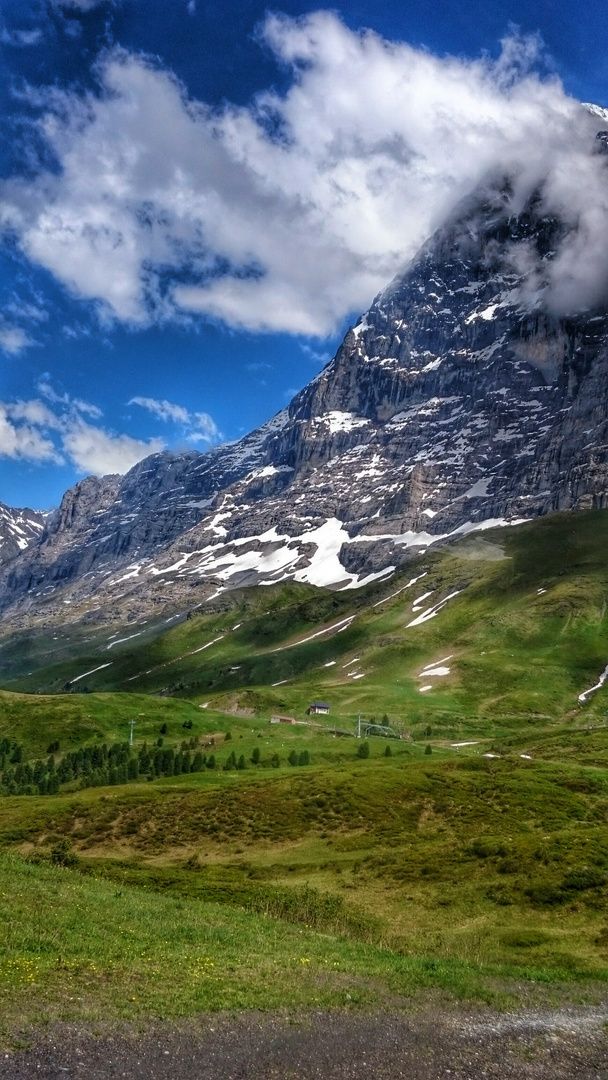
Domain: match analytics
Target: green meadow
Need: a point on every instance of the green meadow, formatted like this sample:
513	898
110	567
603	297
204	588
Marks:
467	857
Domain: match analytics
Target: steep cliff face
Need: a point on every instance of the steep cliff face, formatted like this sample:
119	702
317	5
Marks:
456	402
18	529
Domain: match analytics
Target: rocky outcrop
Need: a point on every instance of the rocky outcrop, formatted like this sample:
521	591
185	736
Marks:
457	402
18	529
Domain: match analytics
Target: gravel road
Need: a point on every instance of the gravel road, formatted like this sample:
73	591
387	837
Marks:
567	1044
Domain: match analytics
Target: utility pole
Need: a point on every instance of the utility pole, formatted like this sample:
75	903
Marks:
359	726
132	725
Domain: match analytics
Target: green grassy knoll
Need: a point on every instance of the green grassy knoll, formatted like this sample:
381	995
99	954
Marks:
485	864
36	720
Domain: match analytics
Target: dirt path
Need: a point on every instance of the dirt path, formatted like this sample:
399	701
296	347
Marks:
569	1044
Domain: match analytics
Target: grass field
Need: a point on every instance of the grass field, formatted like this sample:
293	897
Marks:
472	861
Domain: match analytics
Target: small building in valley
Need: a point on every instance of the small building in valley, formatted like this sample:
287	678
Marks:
318	707
277	719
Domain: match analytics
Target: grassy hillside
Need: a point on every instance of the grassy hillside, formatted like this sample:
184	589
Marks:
381	877
472	859
524	628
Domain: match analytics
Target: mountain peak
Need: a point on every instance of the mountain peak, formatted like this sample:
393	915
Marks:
19	528
456	403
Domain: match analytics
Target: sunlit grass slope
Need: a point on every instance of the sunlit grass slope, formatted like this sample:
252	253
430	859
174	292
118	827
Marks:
524	632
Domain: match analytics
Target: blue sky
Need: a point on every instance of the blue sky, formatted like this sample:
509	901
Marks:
198	198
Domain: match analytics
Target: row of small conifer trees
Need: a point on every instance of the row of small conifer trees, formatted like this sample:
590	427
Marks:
97	766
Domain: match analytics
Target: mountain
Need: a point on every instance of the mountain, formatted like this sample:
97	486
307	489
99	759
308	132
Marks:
19	528
456	403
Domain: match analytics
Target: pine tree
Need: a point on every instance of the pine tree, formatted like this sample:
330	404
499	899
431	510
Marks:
363	750
241	762
293	757
255	756
304	758
388	752
275	761
428	749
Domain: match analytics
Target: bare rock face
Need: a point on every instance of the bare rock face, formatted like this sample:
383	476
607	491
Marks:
18	529
456	403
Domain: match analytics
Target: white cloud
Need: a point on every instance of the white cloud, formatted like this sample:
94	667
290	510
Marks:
292	213
202	426
32	431
14	340
76	405
21	309
34	412
164	410
21	38
24	442
314	355
94	450
205	429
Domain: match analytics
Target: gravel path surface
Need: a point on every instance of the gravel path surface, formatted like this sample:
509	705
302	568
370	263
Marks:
569	1044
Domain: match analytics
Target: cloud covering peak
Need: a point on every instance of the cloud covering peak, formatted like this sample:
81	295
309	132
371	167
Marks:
292	213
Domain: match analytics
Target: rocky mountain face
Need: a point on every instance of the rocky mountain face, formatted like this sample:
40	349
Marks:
18	529
456	403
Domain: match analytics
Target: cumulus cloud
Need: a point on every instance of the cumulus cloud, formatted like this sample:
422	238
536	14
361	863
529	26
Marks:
24	441
200	426
291	213
33	431
13	339
94	450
